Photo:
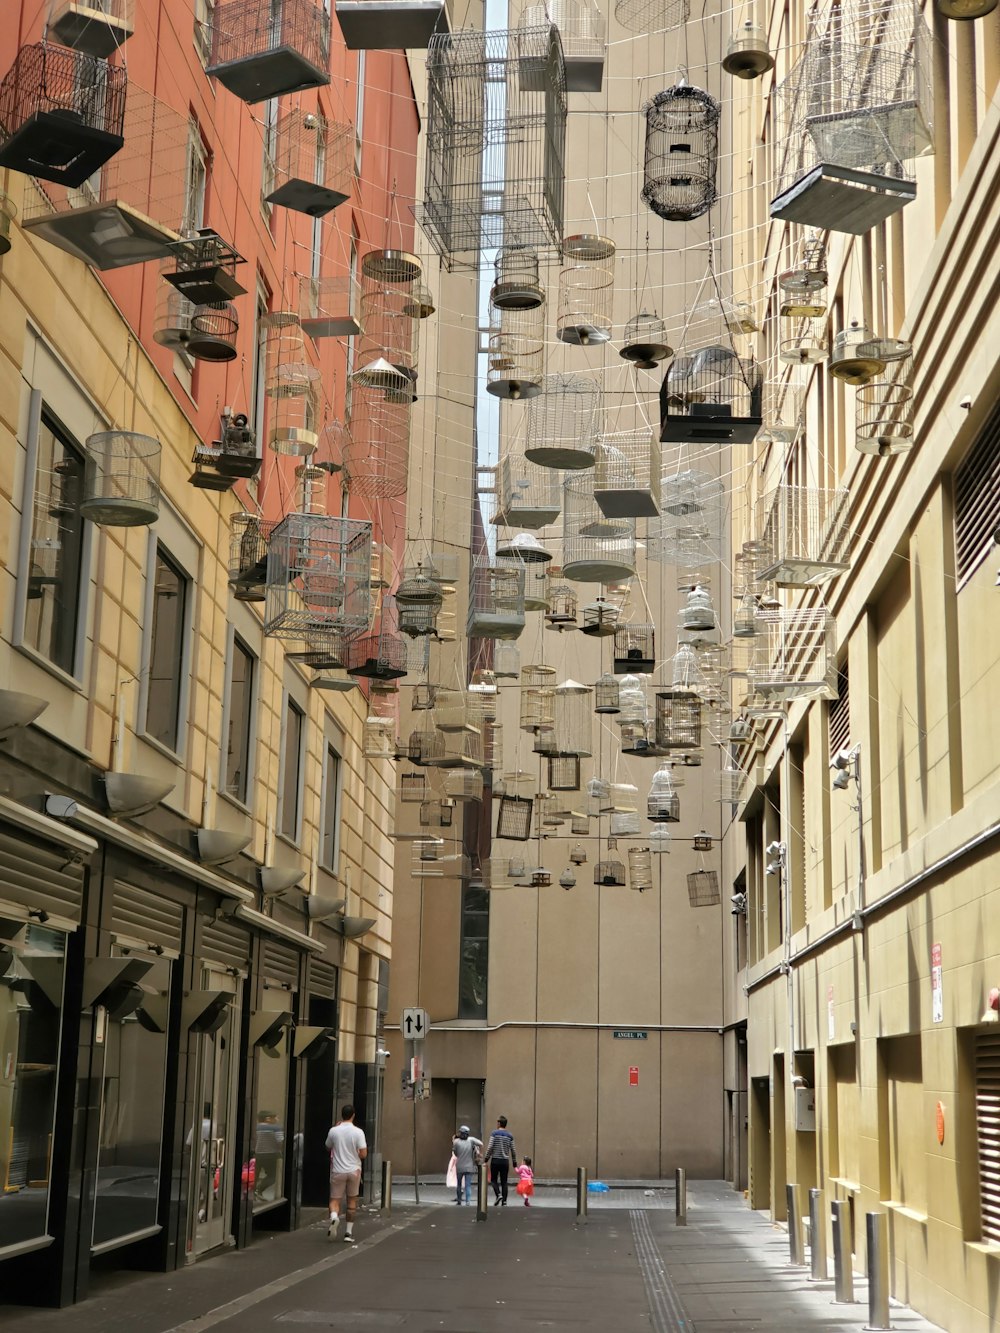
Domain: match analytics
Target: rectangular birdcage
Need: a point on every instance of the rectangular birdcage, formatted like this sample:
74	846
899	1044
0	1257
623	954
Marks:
313	162
627	474
412	788
495	141
248	538
583	33
795	654
514	818
688	531
454	710
496	600
390	25
852	114
805	534
463	784
635	649
703	888
711	396
330	307
264	48
437	814
97	27
564	773
318	576
457	749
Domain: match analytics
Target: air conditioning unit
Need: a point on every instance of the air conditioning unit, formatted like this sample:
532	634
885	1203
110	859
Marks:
805	1109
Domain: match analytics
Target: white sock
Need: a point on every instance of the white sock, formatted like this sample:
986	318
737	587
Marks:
333	1217
349	1230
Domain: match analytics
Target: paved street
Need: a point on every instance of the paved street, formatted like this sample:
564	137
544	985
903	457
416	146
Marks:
434	1269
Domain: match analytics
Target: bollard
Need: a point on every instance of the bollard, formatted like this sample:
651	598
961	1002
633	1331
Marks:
581	1194
387	1187
482	1192
796	1245
877	1227
817	1237
843	1272
680	1196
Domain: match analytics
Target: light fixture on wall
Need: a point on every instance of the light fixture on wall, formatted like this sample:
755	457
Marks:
17	710
134	793
216	845
276	880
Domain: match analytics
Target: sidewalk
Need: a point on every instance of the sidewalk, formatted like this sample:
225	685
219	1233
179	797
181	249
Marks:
434	1269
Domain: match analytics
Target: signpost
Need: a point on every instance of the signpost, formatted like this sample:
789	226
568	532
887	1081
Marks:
415	1024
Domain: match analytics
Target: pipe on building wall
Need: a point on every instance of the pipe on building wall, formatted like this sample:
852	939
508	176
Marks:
540	1023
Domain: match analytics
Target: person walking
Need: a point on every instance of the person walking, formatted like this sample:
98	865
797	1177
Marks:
526	1181
500	1156
467	1151
348	1149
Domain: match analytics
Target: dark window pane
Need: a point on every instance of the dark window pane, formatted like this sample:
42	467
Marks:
331	798
240	717
166	653
272	1098
290	775
472	981
52	612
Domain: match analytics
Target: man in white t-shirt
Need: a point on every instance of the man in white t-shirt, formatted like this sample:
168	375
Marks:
348	1149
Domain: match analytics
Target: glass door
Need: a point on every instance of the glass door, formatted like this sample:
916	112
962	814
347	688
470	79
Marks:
212	1135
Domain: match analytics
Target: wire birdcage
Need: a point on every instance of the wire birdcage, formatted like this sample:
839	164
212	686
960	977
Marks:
248	538
572	718
291	383
506	659
496	599
121	487
528	496
731	780
564	424
8	212
437	813
586	286
562	600
606	694
379	738
747	56
62	113
536	696
633	707
627	474
458	749
644	341
516	352
716	398
649	16
697	615
564	772
376	456
703	888
803	287
883	418
318	576
600	618
805	533
794	654
516	285
663	805
853	112
609	874
313	162
496	134
596	549
682	149
582	32
97	27
635	649
514	818
463	784
678	720
803	342
330	307
455	710
640	869
265	48
412	788
380	656
659	840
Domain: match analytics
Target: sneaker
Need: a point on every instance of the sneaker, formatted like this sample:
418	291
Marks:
348	1240
331	1231
503	1203
496	1200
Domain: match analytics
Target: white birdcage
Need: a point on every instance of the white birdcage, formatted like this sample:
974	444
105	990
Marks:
506	659
582	34
806	534
572	719
688	532
697	615
803	342
651	16
564	423
795	654
537	696
598	795
318	576
596	549
528	496
640	869
455	711
883	418
121	486
463	784
659	840
313	162
731	785
633	709
803	287
496	600
627	474
291	382
663	805
379	738
515	362
644	341
586	286
606	694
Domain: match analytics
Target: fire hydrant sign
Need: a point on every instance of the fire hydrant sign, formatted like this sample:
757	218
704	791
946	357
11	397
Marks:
633	1076
937	985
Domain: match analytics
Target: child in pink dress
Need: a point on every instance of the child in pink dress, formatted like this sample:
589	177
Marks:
525	1181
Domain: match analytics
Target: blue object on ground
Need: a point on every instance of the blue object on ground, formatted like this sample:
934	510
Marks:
597	1187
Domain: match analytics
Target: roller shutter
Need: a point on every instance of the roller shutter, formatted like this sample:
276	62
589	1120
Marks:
39	875
280	964
988	1131
140	914
322	978
224	943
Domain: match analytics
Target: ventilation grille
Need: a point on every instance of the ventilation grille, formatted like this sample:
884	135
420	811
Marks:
840	714
322	979
280	964
977	498
139	914
988	1131
226	944
40	876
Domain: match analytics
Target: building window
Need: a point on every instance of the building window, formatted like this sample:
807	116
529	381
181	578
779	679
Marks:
54	576
988	1132
167	635
239	728
204	11
196	180
259	366
268	174
359	113
473	973
977	499
330	850
291	774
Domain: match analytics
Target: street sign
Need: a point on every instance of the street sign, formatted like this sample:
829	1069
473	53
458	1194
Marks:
415	1023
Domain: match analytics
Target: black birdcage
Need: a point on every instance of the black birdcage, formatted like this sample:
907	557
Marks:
62	113
678	720
206	268
564	773
514	818
635	649
380	656
682	147
264	48
609	874
711	396
425	745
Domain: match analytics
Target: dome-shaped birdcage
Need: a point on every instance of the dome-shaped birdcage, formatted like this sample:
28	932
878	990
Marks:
516	352
883	418
633	708
537	696
644	341
855	357
596	549
564	423
697	615
715	397
578	855
682	144
248	538
747	56
600	618
627	474
745	617
609	874
586	285
606	692
640	869
313	162
562	600
635	649
121	487
663	805
496	599
516	285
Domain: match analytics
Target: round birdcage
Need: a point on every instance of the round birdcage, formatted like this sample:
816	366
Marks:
121	487
419	303
567	879
747	56
516	352
537	689
745	617
516	285
212	332
564	423
805	344
572	720
606	694
391	266
663	805
578	855
645	341
682	143
649	16
640	869
854	357
586	285
883	418
803	288
596	549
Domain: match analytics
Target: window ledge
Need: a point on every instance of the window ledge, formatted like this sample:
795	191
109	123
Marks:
990	1248
42	661
235	801
175	756
852	1186
294	843
901	1210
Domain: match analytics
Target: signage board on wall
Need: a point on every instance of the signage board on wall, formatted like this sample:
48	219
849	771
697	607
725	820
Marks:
937	985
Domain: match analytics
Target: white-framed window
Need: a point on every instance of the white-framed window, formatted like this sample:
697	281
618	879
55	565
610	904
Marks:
196	179
293	732
204	12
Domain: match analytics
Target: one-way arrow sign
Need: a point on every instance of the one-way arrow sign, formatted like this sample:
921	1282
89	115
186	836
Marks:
415	1023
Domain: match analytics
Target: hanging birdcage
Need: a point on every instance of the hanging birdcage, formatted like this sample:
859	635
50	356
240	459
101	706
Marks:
62	113
718	401
121	487
598	794
586	285
380	656
205	332
318	576
682	146
625	823
387	354
567	879
496	600
437	813
609	874
379	738
688	532
412	788
703	888
640	869
291	382
390	25
310	490
516	285
635	649
795	654
564	773
851	115
803	342
645	341
455	711
782	411
579	826
96	27
550	811
803	287
678	720
806	534
697	615
563	424
516	352
458	749
313	162
536	696
377	454
596	549
572	721
562	604
745	617
477	94
578	855
492	745
633	711
418	601
463	784
883	418
663	805
582	35
731	785
506	659
514	818
528	496
600	618
606	694
330	307
265	48
652	16
855	358
659	840
424	745
248	538
627	474
8	212
747	56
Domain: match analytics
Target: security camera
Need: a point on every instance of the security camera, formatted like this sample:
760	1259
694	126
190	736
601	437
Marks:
60	807
965	403
840	782
841	759
775	848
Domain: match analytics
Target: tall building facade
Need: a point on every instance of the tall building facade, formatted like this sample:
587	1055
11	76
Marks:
196	891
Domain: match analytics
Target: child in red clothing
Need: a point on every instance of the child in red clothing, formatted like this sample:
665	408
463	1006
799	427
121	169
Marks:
525	1180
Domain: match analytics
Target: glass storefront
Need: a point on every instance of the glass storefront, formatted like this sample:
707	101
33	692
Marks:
32	969
270	1140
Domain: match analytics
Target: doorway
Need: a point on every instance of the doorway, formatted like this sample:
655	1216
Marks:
213	1162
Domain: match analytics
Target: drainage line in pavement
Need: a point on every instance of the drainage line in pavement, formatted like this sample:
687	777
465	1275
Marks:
668	1314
